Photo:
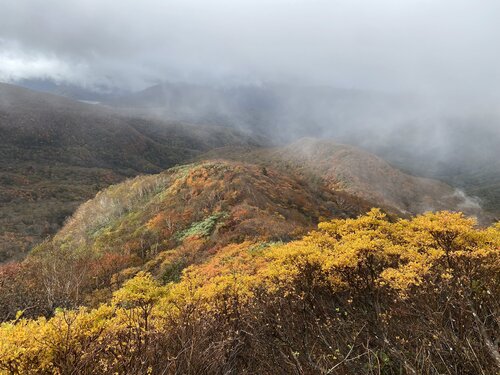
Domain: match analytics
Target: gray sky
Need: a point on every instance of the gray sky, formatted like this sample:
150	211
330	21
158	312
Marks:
431	46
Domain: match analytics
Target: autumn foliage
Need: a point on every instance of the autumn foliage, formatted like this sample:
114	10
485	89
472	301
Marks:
355	296
162	224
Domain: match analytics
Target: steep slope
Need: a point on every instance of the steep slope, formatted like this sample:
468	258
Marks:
55	153
358	172
162	223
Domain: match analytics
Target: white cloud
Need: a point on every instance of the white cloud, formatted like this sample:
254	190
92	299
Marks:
442	47
18	64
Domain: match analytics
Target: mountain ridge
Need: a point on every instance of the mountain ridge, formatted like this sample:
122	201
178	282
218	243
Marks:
359	172
453	143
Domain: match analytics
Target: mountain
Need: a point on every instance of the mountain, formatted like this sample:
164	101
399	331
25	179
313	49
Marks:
56	153
450	141
281	112
165	222
454	142
355	171
92	94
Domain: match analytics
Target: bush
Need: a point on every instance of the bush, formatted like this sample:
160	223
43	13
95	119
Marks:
357	296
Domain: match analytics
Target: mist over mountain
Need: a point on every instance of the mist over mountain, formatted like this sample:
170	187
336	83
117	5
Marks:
250	187
443	140
70	90
416	82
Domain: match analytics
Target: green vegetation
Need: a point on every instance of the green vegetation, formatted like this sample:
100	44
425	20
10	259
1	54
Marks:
202	228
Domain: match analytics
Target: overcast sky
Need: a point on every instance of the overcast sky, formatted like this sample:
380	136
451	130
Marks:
435	46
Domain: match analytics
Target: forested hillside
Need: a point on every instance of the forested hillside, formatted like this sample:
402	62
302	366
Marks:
56	153
162	224
353	170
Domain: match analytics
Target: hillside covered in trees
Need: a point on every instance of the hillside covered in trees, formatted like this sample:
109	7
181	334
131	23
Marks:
162	224
353	170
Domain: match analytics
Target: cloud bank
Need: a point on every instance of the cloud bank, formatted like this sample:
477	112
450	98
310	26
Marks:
437	47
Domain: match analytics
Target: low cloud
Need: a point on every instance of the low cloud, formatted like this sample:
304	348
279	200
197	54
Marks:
18	65
468	203
436	47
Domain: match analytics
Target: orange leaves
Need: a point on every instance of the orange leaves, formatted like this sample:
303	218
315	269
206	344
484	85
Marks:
157	221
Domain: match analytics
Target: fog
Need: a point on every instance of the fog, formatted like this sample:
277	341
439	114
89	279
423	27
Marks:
446	47
417	81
